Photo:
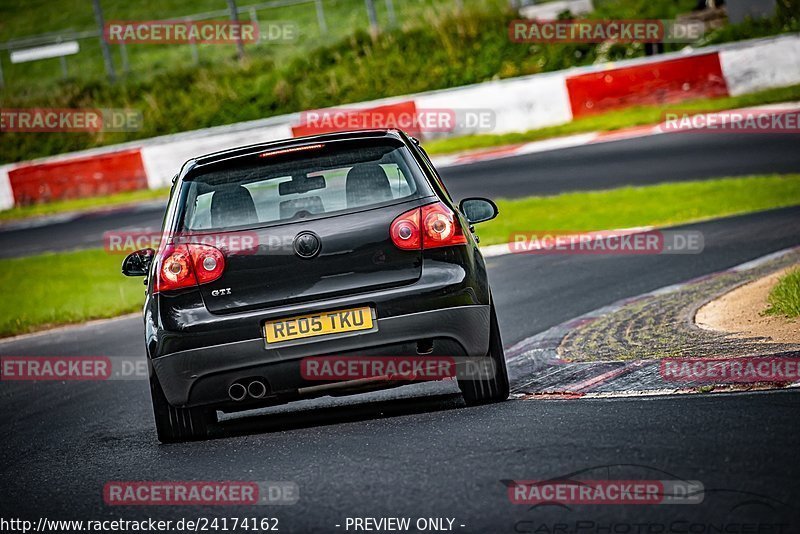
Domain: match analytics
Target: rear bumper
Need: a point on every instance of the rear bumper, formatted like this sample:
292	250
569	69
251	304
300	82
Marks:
201	376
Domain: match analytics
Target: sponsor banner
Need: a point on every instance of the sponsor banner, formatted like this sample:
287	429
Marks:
402	368
605	242
599	31
733	121
69	120
72	368
199	493
731	370
240	242
606	492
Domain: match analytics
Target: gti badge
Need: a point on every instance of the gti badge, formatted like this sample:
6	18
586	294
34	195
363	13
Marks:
218	292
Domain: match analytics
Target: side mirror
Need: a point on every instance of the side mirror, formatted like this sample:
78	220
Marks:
138	263
478	209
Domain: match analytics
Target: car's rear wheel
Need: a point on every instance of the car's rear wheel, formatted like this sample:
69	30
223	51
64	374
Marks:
492	389
178	424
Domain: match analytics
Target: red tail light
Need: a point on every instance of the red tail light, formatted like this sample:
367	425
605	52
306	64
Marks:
440	227
405	231
188	265
209	262
430	226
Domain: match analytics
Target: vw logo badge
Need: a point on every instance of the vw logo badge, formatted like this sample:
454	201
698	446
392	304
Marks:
306	245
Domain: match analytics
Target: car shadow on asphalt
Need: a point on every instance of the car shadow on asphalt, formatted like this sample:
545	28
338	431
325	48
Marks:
323	416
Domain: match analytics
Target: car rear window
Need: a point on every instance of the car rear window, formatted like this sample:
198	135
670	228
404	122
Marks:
293	184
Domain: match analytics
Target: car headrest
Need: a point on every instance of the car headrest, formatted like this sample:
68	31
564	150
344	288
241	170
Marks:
367	184
232	206
290	208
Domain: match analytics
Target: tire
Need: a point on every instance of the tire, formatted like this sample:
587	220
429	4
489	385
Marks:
494	389
174	425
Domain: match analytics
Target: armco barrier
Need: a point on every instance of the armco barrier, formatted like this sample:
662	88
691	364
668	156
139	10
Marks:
698	76
63	179
518	104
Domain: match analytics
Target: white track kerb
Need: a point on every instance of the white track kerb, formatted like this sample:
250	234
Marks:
518	104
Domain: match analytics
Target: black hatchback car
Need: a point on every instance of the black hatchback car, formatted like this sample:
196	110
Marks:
336	245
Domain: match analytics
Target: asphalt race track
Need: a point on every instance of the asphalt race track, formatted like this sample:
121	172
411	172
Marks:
417	451
639	161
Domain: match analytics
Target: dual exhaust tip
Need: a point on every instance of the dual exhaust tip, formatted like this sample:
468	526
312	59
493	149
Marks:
256	389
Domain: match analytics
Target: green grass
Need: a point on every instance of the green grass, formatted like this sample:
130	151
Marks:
657	205
83	204
784	299
71	287
614	120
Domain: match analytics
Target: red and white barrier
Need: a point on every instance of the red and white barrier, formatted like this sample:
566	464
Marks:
86	176
518	104
6	194
766	64
673	80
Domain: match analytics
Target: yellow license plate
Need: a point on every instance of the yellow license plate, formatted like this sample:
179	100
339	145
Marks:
318	324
